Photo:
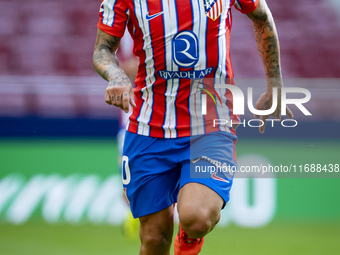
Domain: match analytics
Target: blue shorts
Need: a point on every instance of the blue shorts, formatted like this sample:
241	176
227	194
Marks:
155	169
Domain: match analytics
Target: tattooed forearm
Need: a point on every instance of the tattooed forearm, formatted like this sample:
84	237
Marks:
267	43
105	61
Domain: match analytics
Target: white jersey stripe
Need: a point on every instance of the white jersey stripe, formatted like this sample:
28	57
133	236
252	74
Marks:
194	88
108	15
171	28
219	6
221	72
222	110
147	93
202	37
106	12
195	94
196	117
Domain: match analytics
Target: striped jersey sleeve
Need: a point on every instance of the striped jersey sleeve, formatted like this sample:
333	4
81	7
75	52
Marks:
246	6
113	16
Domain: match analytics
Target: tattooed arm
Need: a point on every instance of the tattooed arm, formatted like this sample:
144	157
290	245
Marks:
119	91
267	42
269	49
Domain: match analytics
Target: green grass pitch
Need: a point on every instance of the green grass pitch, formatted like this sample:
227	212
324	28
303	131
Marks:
307	221
277	238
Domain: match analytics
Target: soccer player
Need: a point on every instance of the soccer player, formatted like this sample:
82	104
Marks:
178	42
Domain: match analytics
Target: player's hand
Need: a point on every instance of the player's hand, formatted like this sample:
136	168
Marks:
265	102
120	95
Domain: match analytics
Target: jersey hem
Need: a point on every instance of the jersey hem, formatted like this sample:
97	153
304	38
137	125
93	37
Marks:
109	30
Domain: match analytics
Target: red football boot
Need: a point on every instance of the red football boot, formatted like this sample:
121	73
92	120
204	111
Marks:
185	245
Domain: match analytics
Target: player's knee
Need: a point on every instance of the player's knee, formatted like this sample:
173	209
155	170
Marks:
198	223
152	237
196	229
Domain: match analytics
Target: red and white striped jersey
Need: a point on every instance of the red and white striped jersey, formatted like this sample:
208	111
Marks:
177	42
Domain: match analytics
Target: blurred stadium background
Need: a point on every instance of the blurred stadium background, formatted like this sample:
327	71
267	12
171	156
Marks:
60	190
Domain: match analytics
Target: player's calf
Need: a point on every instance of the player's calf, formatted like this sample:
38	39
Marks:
155	243
156	232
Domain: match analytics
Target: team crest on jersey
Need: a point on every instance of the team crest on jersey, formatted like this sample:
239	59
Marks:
213	8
